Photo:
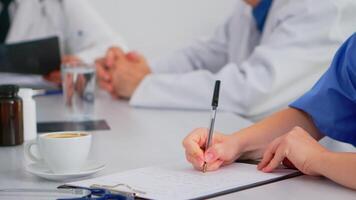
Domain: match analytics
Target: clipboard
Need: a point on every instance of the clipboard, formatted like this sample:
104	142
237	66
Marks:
39	57
135	181
254	185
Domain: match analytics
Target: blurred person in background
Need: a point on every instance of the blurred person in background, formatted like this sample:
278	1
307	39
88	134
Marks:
267	53
83	35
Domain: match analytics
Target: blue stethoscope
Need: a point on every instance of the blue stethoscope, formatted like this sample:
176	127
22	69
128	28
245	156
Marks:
97	194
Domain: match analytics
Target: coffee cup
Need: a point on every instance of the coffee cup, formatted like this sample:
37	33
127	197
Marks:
63	152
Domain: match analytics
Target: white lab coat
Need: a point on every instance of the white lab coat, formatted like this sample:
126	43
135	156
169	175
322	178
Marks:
260	73
81	30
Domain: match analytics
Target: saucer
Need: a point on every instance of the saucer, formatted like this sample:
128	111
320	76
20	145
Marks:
40	169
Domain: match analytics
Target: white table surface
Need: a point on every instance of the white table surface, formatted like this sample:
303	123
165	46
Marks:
145	137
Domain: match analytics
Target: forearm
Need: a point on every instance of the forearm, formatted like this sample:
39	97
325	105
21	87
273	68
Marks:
198	56
255	139
176	62
339	167
193	90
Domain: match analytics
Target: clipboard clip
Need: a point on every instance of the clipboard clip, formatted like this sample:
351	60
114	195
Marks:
126	189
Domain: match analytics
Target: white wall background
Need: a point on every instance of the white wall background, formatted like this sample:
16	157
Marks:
158	26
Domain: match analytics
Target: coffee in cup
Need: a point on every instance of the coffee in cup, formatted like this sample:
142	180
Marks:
63	152
66	135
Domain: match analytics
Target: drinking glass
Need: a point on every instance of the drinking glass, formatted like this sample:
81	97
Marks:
79	83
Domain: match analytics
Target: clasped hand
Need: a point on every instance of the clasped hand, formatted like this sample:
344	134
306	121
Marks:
120	73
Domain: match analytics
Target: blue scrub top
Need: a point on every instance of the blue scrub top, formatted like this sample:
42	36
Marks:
332	101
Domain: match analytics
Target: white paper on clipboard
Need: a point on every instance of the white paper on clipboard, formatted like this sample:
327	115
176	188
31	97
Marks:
181	181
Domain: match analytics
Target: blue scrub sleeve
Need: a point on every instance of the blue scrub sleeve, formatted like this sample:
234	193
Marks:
332	101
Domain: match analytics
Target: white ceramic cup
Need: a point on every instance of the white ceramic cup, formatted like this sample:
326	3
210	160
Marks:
63	152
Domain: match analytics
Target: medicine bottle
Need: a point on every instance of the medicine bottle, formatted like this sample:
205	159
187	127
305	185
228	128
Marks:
29	114
11	116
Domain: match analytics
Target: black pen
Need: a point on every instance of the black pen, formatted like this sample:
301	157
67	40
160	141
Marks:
214	105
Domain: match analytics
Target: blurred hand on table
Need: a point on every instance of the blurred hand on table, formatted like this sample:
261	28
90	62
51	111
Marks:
55	76
120	73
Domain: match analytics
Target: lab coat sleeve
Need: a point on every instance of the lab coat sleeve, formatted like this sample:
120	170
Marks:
191	90
206	53
87	35
298	46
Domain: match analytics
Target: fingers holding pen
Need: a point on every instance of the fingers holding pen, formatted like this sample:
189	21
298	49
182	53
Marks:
194	145
215	157
195	159
213	153
223	150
